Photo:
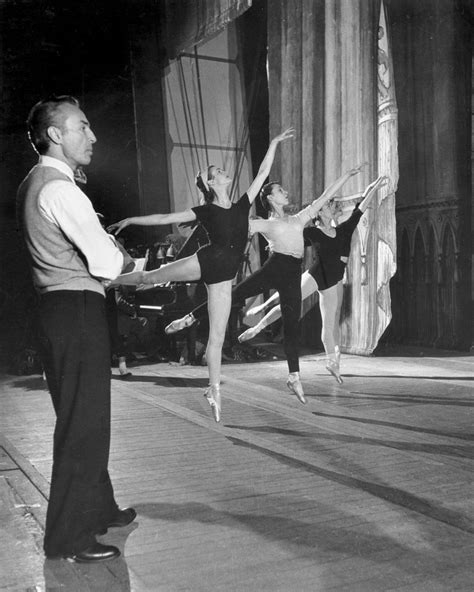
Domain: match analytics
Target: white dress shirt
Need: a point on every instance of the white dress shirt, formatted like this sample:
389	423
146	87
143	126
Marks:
65	205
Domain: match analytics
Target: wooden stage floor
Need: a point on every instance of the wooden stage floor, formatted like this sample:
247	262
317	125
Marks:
368	487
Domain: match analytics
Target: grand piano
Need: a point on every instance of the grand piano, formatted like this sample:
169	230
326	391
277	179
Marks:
170	301
166	302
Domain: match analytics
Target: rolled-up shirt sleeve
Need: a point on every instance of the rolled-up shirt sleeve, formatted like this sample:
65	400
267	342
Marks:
65	205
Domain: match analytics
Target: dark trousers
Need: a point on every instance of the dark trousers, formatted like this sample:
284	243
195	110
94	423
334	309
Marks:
76	358
117	342
282	273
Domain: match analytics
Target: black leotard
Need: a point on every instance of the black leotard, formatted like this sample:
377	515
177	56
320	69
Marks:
228	233
283	273
328	268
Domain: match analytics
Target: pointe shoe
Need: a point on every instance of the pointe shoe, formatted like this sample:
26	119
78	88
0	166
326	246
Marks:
248	334
333	368
213	396
180	324
296	387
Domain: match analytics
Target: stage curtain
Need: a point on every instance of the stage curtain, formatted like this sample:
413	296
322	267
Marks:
186	23
323	71
385	237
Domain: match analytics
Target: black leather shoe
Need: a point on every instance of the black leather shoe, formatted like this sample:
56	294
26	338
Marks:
94	554
122	518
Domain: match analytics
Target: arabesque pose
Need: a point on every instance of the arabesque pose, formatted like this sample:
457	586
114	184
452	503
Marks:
216	263
282	270
332	249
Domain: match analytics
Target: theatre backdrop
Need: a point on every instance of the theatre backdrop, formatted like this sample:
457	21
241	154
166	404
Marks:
170	86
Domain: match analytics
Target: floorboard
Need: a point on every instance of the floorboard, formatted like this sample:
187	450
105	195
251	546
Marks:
366	488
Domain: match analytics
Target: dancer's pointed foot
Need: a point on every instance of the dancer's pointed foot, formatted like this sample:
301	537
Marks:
213	396
295	386
180	324
333	368
250	333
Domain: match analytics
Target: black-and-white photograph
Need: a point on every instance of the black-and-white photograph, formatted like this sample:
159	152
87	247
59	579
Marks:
236	296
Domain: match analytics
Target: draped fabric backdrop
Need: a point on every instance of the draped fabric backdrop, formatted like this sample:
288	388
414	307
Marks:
205	108
188	22
323	72
160	31
188	88
387	148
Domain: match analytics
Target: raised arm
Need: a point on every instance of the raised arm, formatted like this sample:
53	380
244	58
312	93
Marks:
266	165
370	191
258	225
153	220
332	189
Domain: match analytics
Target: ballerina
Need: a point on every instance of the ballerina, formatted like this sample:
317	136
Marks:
332	248
282	270
215	264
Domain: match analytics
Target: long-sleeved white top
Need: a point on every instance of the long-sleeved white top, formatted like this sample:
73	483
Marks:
284	235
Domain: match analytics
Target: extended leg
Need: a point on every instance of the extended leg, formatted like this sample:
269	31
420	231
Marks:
308	287
184	270
274	298
253	285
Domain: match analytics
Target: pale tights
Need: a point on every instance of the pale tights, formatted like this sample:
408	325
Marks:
219	305
330	302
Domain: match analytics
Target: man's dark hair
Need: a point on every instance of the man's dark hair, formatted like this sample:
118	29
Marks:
43	115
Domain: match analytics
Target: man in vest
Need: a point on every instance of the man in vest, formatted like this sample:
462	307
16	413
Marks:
71	256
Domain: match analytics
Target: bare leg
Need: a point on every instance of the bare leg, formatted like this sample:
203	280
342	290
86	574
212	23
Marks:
184	270
273	315
330	304
337	324
308	287
219	304
274	298
329	307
